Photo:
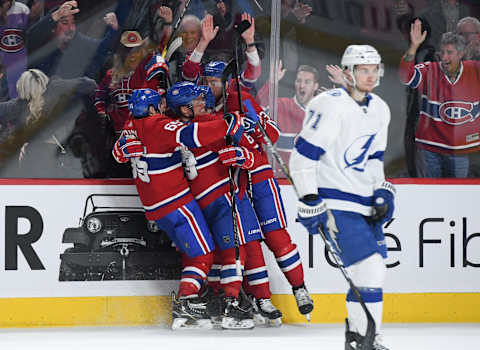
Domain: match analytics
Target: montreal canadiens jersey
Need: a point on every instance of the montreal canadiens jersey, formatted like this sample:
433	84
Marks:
290	115
261	170
159	174
113	101
13	54
339	152
212	181
449	119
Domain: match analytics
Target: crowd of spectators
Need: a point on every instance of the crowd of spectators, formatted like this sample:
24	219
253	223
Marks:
65	77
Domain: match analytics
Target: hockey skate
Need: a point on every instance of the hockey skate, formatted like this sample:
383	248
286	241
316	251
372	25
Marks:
304	302
189	313
214	307
265	313
353	340
236	316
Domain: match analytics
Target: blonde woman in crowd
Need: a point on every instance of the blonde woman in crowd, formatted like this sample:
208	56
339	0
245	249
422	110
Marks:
34	126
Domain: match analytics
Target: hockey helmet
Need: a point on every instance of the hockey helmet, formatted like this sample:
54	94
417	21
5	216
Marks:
182	94
214	69
361	54
141	100
209	98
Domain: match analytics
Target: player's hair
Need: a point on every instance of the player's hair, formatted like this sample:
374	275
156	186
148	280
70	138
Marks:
454	39
309	69
30	87
466	20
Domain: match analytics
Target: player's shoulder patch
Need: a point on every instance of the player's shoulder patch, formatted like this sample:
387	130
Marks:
334	92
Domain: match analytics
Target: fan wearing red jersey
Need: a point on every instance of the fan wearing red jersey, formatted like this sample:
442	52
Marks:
448	124
193	68
152	72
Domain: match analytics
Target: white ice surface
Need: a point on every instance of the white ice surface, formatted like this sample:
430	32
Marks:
288	337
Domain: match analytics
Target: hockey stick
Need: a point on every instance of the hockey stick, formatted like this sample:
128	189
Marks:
368	339
239	29
258	5
173	47
175	28
236	241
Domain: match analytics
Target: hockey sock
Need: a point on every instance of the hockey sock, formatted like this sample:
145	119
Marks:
368	275
357	318
256	281
229	279
213	277
194	273
287	256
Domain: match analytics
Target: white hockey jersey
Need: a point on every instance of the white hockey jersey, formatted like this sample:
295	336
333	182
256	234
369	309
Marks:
339	152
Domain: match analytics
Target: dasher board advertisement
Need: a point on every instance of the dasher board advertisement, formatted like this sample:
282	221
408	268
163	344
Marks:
74	238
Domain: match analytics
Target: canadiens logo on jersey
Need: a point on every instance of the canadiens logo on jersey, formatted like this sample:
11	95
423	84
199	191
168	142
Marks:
121	97
356	155
11	40
457	112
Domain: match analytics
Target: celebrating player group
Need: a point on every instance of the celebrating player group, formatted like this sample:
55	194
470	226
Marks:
200	165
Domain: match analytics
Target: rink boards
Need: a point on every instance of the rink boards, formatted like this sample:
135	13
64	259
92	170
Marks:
433	275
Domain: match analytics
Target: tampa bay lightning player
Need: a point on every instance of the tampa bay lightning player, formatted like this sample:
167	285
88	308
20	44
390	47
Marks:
337	168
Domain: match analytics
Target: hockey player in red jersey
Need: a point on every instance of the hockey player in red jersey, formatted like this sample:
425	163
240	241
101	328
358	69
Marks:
268	204
153	143
447	129
212	190
255	267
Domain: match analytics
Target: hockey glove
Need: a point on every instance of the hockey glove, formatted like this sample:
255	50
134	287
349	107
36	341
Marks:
236	156
383	203
127	147
250	122
314	215
189	163
234	126
156	68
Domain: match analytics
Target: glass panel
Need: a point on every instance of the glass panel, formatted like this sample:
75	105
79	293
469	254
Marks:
61	120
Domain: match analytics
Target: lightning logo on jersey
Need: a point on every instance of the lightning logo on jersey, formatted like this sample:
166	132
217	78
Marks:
356	155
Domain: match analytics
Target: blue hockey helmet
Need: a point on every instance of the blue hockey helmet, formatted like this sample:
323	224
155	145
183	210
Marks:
209	98
141	100
182	94
214	69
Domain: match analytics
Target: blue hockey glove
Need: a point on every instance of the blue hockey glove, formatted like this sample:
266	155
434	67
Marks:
235	128
314	215
156	68
383	203
250	122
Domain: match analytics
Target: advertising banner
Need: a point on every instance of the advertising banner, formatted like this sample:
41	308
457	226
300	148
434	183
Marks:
84	238
433	242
